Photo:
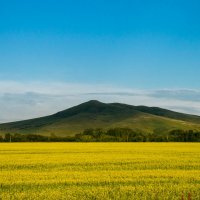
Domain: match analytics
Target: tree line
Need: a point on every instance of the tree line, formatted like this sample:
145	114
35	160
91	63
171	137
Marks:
110	135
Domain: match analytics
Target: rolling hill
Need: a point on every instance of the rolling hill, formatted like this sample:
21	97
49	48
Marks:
95	114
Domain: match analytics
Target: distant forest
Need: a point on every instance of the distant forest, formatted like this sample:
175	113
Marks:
111	135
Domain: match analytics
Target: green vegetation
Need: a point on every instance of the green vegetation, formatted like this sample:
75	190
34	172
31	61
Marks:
94	114
111	135
87	171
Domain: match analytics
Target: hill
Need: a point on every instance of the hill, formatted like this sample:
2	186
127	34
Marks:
95	114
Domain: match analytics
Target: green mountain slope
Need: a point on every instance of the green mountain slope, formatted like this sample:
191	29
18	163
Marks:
94	114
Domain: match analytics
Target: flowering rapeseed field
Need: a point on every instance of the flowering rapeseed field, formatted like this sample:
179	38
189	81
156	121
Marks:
100	171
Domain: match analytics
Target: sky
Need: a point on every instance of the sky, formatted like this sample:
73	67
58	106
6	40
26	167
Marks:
58	53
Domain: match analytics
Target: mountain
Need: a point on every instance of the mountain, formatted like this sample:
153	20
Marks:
95	114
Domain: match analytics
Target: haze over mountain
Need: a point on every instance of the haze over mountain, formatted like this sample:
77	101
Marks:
95	114
58	54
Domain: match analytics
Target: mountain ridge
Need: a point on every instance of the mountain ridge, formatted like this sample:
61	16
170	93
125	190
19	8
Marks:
95	114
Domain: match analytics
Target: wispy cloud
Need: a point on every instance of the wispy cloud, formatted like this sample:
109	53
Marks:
23	100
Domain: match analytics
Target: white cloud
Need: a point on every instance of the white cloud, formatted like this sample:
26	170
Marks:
23	100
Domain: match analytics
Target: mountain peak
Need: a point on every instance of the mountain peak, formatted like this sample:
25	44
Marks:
93	102
92	106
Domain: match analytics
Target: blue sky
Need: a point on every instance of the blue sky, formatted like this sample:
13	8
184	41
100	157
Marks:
130	44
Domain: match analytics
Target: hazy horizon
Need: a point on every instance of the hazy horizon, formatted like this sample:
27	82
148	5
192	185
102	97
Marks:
57	55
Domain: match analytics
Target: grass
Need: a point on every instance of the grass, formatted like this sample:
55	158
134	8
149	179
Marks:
100	171
94	114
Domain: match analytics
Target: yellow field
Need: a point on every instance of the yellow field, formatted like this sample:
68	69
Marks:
100	171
